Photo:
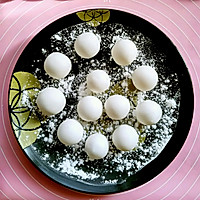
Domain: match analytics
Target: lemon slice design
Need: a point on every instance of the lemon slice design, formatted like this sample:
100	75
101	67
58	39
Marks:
24	88
94	17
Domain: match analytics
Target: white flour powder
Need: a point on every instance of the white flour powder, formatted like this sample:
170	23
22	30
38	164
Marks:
73	160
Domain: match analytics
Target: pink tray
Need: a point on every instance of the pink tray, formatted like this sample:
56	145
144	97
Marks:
21	20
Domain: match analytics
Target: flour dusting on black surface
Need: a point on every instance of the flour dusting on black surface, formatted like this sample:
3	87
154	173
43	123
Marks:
117	165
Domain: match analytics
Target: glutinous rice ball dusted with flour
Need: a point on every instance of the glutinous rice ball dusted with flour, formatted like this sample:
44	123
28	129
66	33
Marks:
124	52
148	112
50	101
96	146
57	65
98	81
89	108
117	107
70	132
145	78
125	138
87	45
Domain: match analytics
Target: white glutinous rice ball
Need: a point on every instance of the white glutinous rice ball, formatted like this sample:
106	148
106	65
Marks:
125	138
98	81
50	101
96	146
117	107
124	52
90	108
145	78
57	65
87	45
70	132
148	112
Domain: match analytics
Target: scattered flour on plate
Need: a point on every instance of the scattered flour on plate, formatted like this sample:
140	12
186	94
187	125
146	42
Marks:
117	165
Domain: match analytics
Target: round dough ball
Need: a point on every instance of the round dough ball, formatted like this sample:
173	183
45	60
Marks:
50	101
98	81
87	45
145	78
70	132
96	146
57	65
148	112
125	138
124	52
90	108
117	107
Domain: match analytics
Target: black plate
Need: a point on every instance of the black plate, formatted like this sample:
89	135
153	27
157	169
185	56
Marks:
174	63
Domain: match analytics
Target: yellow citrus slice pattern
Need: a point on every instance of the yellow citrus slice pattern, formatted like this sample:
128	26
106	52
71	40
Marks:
22	95
94	17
